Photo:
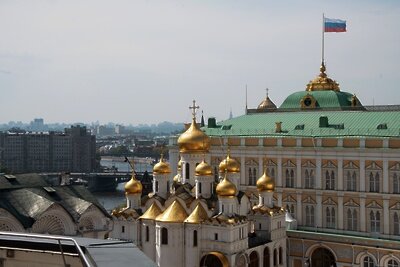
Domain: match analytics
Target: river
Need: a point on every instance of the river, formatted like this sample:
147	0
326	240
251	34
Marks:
110	200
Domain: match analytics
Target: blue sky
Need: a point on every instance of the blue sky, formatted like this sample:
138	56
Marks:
144	61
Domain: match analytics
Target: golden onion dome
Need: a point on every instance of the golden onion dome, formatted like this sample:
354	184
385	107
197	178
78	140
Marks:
161	167
174	213
229	165
266	104
322	82
193	140
226	188
203	169
265	183
133	186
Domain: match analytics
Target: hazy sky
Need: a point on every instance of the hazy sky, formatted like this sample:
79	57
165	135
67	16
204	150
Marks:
144	61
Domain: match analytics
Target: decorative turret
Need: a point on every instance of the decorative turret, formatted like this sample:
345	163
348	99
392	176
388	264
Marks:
265	187
322	82
204	180
193	140
230	165
266	104
226	189
161	178
133	191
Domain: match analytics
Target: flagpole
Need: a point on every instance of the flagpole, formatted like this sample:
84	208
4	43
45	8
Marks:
323	37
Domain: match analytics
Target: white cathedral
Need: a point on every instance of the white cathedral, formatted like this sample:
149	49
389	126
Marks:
193	220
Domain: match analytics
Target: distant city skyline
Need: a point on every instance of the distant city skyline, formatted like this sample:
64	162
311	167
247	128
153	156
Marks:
143	62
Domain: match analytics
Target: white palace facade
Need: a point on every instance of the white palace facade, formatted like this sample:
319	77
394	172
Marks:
331	163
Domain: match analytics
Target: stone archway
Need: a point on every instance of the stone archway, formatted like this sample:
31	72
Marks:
322	257
266	257
214	259
254	259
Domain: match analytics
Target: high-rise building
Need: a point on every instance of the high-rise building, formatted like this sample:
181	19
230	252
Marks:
74	150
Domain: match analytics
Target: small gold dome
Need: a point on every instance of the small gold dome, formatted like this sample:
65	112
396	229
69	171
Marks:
265	183
322	82
161	167
133	186
226	188
266	104
193	140
203	169
198	215
229	164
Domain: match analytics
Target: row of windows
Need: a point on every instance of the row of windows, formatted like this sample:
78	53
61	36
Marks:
351	218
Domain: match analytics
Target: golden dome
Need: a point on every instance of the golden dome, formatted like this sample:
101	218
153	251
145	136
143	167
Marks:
198	215
226	188
161	167
229	164
322	82
203	169
266	104
133	186
265	183
193	140
151	213
174	213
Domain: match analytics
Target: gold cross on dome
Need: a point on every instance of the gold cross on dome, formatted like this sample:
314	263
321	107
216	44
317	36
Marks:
194	107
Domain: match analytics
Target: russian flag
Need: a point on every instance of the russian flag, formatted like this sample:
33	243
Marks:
334	25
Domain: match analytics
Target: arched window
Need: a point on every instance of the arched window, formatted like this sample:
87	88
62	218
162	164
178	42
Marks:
199	185
254	176
368	262
164	236
312	179
156	186
352	220
396	226
195	238
396	184
292	178
373	182
187	170
275	257
310	215
287	176
375	221
354	181
330	217
280	255
393	263
147	234
216	174
327	181
250	177
272	172
266	257
307	179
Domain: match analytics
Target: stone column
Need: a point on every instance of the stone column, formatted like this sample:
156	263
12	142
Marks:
385	171
363	223
318	214
386	217
299	208
299	182
340	212
362	175
318	176
243	171
279	171
340	174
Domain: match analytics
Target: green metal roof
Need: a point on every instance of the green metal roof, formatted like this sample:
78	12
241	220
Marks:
325	99
355	123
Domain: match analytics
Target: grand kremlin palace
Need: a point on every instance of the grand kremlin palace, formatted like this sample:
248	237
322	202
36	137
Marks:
314	182
336	166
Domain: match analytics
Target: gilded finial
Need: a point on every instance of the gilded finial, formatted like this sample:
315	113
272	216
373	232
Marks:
194	107
322	82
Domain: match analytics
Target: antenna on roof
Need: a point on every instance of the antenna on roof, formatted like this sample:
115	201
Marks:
246	100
